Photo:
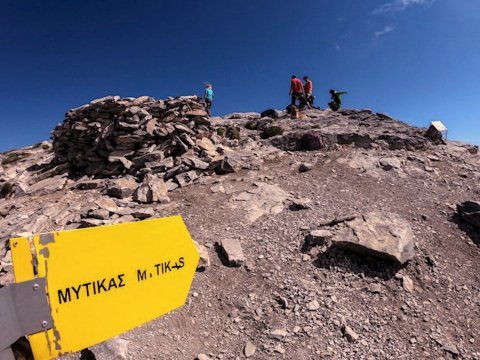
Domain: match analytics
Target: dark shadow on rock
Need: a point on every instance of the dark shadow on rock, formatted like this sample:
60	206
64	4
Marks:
360	141
306	247
22	349
52	169
471	231
358	264
298	207
40	167
310	141
221	254
87	354
309	243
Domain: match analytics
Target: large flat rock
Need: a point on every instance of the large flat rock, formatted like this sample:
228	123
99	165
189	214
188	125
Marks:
262	200
383	235
48	185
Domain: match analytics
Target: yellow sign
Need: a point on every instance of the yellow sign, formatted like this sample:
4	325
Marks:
106	280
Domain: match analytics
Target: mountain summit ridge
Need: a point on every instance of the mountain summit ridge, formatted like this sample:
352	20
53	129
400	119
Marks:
314	207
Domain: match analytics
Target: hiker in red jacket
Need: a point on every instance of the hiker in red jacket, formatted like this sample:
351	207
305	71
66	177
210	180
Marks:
296	90
308	87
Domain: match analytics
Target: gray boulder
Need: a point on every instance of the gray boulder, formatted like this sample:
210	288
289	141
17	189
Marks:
187	178
470	212
233	252
271	113
100	214
144	213
227	165
304	167
152	189
142	194
107	203
318	237
121	188
383	235
390	163
311	140
113	349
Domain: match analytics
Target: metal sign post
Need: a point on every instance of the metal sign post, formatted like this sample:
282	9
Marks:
24	311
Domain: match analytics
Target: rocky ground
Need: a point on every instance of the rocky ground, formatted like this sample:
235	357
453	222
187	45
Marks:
288	296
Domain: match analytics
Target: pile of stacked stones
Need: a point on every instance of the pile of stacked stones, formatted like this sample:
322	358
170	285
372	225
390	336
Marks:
161	144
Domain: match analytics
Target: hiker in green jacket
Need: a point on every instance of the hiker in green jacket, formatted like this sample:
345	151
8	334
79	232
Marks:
336	102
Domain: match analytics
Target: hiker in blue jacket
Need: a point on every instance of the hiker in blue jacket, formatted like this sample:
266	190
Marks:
208	97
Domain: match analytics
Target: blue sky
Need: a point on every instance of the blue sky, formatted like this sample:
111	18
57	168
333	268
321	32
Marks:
417	60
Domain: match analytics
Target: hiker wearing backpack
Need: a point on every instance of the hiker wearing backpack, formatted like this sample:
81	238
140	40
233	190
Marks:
296	90
308	88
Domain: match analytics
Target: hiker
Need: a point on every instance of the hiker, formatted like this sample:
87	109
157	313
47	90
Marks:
308	87
336	102
294	112
208	97
296	90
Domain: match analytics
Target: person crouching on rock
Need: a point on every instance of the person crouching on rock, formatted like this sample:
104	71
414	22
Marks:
294	113
292	110
208	97
296	90
336	102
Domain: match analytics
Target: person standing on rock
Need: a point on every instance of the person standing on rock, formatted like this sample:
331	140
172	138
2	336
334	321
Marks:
308	87
296	90
336	102
208	97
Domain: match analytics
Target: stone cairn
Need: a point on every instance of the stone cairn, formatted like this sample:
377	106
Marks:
162	144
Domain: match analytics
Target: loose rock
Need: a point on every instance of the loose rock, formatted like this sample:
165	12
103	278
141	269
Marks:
407	284
301	204
249	349
313	305
204	261
318	237
202	357
144	213
218	188
349	334
121	188
233	252
304	167
113	349
390	163
279	334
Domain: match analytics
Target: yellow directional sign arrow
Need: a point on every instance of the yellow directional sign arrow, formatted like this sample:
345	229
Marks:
106	280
